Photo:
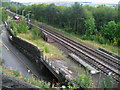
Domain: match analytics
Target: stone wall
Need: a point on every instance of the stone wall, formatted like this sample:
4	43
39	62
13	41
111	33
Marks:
33	54
29	50
36	56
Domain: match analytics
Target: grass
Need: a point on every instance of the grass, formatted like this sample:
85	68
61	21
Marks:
49	50
10	18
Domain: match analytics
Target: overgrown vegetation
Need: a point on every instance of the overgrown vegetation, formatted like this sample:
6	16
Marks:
31	80
84	80
92	23
35	33
107	82
33	36
20	27
3	15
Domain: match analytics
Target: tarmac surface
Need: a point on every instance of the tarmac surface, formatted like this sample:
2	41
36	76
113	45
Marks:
13	58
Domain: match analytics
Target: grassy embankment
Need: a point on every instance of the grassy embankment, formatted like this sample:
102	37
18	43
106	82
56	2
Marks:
49	50
109	47
31	80
15	73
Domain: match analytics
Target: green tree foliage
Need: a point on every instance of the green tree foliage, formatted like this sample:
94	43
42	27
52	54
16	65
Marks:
86	21
111	32
23	27
84	80
35	33
90	26
5	4
0	15
4	15
78	18
104	14
20	27
14	27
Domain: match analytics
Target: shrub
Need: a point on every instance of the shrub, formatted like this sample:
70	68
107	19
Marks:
68	29
84	80
84	37
41	84
35	33
46	50
107	82
15	31
23	27
101	40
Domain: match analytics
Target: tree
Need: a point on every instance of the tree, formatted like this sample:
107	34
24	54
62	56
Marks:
23	27
104	14
4	15
78	17
110	31
90	27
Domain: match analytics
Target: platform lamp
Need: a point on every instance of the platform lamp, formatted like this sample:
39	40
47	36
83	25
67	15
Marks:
23	12
29	15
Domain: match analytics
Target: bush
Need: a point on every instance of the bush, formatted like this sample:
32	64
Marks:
32	80
68	29
84	80
15	31
35	33
101	40
16	73
84	37
107	82
4	15
116	42
23	27
46	50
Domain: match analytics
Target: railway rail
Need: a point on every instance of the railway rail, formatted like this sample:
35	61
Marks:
100	61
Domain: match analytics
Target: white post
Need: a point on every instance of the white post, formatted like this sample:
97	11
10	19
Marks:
99	79
23	12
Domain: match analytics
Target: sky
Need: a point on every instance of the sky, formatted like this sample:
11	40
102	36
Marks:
94	1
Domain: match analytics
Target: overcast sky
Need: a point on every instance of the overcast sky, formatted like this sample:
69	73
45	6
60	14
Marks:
94	1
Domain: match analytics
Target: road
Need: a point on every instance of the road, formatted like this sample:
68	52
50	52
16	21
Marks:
13	58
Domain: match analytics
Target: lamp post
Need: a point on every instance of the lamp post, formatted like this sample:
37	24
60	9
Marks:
23	12
16	10
99	77
29	15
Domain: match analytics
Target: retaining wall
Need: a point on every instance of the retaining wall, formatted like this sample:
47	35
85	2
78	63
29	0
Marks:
35	55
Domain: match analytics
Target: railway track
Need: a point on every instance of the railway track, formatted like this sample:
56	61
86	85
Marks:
98	60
